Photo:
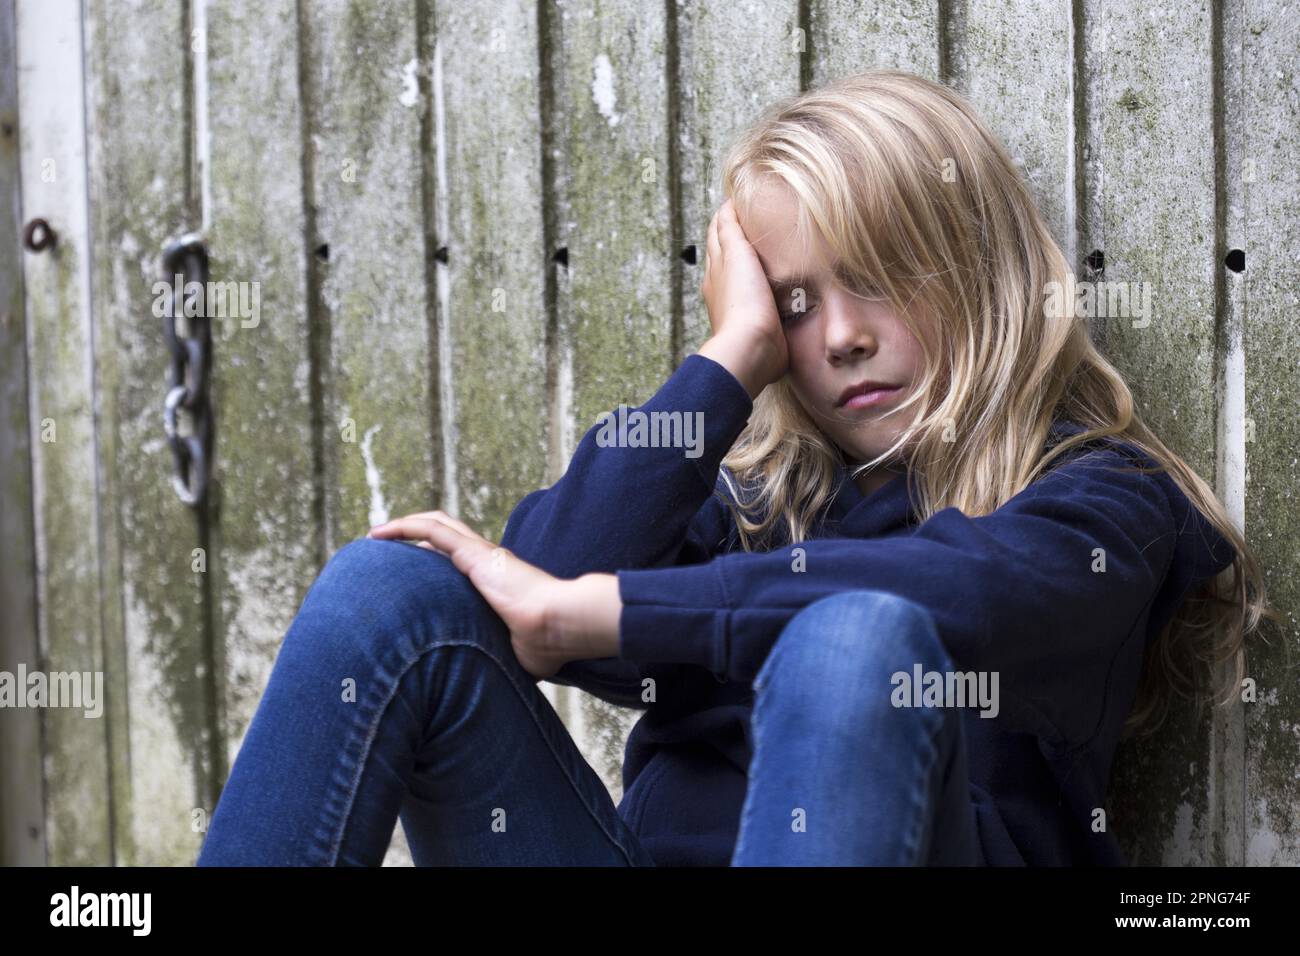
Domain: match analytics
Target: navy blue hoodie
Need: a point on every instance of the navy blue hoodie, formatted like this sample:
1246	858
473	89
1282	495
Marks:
1014	592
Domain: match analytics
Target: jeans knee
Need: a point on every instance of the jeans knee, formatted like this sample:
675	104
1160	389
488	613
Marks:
840	646
381	588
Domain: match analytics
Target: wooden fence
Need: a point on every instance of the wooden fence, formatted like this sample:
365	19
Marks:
476	225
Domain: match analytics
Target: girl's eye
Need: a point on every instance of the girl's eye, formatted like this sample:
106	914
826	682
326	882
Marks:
788	315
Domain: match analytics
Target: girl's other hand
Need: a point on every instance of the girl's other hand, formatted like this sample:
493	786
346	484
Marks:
748	339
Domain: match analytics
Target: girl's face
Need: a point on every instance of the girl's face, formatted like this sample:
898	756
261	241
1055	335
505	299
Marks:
839	342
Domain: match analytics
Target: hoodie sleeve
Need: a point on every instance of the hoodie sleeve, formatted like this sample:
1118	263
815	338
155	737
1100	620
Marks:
1044	591
629	507
621	506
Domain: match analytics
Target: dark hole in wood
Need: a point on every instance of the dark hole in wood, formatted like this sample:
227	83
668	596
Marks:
1096	261
688	255
323	252
441	254
561	256
1235	260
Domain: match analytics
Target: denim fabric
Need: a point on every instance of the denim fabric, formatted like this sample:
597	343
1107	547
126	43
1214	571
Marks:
396	695
839	775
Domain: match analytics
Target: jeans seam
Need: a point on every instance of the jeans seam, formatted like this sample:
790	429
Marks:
336	841
369	732
929	757
756	732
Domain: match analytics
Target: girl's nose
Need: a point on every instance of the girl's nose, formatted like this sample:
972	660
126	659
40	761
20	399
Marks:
848	334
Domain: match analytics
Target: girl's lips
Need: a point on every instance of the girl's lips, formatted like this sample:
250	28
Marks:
867	399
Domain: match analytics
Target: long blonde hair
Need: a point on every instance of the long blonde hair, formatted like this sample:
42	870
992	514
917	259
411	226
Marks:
917	198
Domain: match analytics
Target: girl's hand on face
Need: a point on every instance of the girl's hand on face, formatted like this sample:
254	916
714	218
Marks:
519	592
748	339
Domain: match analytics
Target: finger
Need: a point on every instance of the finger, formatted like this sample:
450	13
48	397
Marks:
458	524
415	527
729	229
389	530
438	516
465	551
417	514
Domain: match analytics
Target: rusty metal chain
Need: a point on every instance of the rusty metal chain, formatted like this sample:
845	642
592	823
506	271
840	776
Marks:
189	340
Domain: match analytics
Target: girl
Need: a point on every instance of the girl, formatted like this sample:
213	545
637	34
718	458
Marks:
928	570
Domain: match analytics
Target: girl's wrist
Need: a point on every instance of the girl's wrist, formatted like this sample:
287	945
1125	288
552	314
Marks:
736	358
582	618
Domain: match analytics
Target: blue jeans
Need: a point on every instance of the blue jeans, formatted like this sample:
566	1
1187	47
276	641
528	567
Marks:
396	695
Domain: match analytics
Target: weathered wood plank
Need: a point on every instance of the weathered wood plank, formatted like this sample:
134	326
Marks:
142	195
849	36
1153	218
734	61
1270	124
378	452
22	819
60	365
614	215
268	541
493	286
366	112
1228	737
994	49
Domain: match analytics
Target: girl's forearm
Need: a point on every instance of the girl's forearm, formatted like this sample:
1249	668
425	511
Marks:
582	620
736	356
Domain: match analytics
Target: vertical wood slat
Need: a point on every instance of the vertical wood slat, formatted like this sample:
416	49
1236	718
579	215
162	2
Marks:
140	198
1270	102
367	190
365	111
849	36
1228	735
994	48
268	541
735	60
495	309
614	215
1149	81
22	823
496	287
60	363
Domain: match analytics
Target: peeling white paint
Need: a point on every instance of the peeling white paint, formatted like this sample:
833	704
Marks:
1071	173
410	87
564	409
602	89
378	506
447	390
1178	850
1264	847
202	124
1232	427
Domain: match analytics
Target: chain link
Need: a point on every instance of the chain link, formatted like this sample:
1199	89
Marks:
189	340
